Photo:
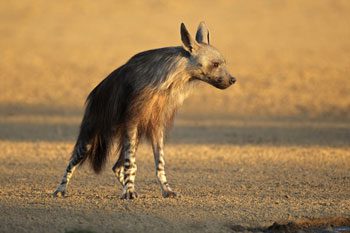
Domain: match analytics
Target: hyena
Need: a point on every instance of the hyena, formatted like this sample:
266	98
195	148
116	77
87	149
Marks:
139	99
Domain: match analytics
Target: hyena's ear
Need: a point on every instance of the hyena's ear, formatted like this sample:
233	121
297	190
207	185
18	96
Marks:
202	35
189	43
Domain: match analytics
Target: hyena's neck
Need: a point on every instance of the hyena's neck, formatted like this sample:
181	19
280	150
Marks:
176	81
179	82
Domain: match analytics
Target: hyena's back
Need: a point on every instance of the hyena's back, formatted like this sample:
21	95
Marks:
142	92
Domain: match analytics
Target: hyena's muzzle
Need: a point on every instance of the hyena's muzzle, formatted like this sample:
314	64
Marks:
221	82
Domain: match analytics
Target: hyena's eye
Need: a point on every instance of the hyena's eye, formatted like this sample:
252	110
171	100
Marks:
216	64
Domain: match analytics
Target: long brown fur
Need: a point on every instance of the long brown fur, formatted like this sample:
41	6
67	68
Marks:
140	98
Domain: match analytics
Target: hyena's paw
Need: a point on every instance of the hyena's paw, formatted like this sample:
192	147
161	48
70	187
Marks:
129	195
60	191
169	193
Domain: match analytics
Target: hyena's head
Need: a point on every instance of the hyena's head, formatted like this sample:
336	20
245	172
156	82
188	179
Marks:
205	63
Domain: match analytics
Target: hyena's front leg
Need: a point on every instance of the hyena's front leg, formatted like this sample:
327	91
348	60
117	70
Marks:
78	154
158	151
129	150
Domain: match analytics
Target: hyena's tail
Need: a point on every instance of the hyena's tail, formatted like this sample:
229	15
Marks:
97	150
105	106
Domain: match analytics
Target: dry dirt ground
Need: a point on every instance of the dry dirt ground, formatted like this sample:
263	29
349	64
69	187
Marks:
275	147
227	172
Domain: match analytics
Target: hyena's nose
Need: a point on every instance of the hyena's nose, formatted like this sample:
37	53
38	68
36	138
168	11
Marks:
232	80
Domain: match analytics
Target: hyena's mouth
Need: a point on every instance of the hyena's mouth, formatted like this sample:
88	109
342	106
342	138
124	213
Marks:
219	83
216	82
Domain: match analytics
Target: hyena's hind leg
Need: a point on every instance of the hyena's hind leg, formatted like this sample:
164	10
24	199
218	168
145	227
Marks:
158	151
118	168
79	152
130	143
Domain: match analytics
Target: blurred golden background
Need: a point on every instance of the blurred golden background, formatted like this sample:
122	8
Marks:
274	146
291	58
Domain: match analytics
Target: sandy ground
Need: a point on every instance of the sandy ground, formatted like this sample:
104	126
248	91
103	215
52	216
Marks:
227	173
273	148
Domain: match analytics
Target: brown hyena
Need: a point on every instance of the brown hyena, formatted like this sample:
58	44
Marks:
140	99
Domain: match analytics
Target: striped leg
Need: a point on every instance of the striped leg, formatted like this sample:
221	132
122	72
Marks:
158	145
78	155
129	150
118	168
